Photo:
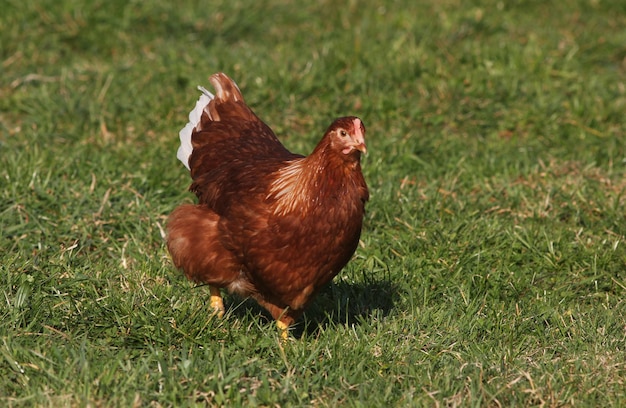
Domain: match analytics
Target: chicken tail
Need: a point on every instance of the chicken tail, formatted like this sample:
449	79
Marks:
227	94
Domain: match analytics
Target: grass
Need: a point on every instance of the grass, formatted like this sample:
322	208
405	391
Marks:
492	270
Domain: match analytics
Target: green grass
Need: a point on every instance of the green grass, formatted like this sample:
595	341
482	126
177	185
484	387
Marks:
492	270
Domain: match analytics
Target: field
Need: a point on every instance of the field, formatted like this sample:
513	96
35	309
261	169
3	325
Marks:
492	267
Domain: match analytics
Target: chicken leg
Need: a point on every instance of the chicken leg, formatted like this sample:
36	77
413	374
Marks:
216	301
283	329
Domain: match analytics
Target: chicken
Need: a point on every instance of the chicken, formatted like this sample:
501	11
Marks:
269	224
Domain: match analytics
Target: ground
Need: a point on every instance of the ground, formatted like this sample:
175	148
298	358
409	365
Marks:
492	267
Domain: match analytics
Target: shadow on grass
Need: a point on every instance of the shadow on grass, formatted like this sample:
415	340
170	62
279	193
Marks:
338	303
347	304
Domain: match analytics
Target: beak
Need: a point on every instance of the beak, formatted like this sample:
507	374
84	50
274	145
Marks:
361	147
359	136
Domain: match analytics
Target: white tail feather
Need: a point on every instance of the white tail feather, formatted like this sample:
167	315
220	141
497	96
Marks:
185	149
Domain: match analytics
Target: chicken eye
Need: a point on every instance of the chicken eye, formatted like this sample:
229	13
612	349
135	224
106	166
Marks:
343	133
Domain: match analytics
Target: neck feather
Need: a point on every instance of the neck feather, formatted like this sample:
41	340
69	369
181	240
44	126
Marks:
303	183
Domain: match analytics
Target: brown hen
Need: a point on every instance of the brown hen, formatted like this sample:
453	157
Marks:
269	224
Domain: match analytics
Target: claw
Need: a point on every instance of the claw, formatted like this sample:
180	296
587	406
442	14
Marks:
283	329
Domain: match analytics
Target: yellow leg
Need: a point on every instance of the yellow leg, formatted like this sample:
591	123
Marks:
216	301
283	328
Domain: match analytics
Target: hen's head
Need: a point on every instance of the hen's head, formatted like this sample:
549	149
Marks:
347	137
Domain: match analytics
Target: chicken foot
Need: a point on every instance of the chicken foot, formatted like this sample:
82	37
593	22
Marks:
284	316
283	329
216	301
